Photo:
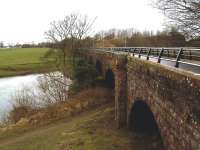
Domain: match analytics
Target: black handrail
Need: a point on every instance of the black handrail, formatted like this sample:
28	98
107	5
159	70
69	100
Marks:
178	57
187	58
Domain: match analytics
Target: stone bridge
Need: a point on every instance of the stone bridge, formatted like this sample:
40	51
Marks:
150	96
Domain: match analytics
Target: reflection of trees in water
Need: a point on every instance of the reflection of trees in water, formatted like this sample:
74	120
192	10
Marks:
47	89
50	88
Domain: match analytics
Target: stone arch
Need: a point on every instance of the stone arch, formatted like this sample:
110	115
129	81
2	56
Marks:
141	118
110	78
99	67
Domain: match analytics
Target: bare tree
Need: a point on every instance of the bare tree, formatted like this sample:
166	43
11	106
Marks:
52	88
68	32
183	13
67	35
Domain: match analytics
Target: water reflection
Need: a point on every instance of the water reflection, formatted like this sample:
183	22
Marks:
36	89
9	86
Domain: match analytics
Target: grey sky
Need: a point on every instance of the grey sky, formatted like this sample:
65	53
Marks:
27	20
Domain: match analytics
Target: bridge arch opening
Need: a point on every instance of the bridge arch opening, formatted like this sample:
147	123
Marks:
110	79
99	67
143	123
141	119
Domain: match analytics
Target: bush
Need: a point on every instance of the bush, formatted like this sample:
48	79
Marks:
84	75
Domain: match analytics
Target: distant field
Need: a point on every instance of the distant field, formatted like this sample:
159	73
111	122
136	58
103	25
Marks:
19	61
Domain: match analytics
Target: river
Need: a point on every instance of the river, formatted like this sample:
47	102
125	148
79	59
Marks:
9	86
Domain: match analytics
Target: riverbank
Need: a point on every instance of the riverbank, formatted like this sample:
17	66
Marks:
91	130
24	61
85	122
91	126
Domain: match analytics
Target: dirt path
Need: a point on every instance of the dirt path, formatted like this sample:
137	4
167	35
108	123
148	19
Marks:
91	130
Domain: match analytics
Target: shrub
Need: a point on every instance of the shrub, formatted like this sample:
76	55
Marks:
84	75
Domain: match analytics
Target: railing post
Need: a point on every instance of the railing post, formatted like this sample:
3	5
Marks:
129	50
139	55
178	57
160	54
168	53
126	49
149	52
134	51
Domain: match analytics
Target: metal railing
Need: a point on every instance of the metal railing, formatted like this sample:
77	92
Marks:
185	58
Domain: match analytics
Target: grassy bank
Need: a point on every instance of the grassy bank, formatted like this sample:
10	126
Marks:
21	61
84	132
91	130
90	125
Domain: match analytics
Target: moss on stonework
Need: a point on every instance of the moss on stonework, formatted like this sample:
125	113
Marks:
169	84
171	72
156	71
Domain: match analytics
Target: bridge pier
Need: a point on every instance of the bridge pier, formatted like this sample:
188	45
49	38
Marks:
172	96
121	92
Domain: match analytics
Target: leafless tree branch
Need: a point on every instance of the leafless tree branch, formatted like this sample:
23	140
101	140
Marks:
185	14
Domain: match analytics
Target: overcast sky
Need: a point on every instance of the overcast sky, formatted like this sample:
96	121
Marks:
27	20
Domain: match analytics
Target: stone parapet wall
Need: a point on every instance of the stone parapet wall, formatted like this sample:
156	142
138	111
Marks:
174	98
172	95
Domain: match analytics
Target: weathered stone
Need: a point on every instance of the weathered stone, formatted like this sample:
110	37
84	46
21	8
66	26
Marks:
172	95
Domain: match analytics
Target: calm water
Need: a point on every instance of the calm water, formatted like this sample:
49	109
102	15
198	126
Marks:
9	86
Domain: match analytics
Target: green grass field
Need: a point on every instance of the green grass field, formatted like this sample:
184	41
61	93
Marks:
20	61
